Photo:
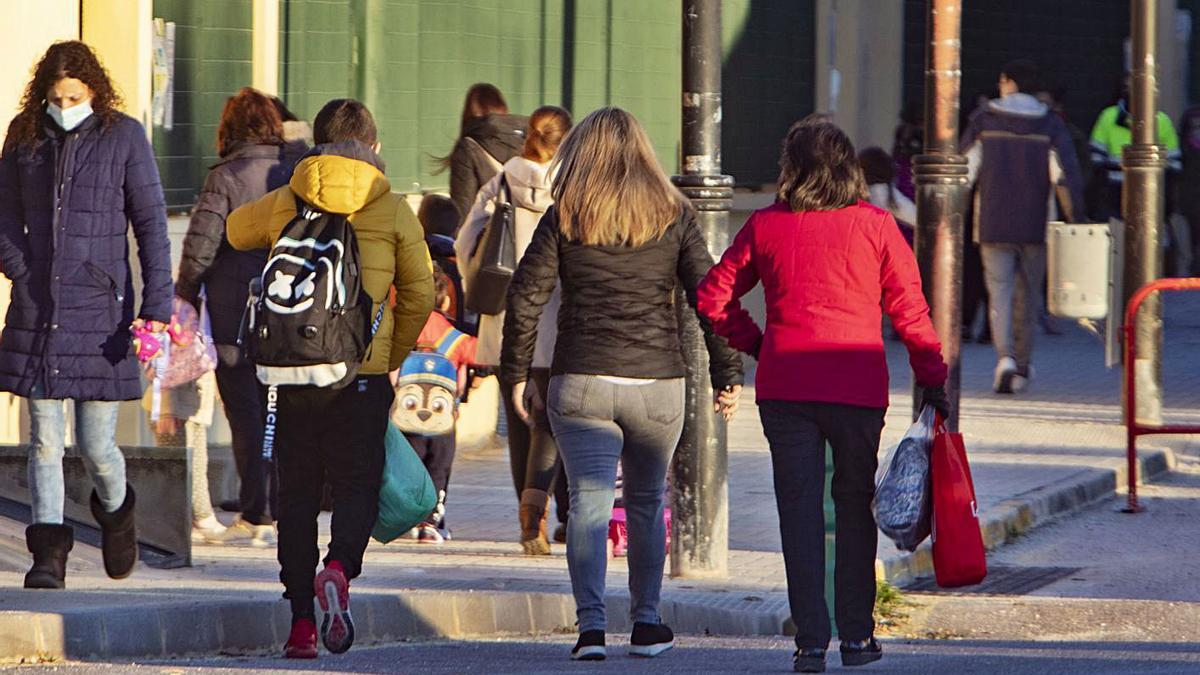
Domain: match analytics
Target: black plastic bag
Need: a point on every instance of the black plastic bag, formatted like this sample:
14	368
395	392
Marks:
903	504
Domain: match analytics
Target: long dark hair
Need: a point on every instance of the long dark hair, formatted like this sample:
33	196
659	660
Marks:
63	59
249	117
819	170
482	99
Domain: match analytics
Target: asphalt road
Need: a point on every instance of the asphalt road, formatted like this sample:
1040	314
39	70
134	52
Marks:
693	655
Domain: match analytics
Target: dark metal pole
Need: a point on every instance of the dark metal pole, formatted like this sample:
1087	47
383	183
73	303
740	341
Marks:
700	508
942	188
1143	162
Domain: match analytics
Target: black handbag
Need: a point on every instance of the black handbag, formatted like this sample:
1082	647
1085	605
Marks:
494	257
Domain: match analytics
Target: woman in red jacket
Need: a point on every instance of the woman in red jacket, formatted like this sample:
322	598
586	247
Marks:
827	261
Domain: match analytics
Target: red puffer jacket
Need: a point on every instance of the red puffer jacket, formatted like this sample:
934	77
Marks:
825	275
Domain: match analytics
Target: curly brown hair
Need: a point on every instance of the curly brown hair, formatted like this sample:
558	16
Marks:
71	58
249	116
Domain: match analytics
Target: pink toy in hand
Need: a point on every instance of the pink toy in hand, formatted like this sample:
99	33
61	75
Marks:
145	344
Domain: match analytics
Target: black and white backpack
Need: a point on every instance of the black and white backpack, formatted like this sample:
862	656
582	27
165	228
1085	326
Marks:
308	321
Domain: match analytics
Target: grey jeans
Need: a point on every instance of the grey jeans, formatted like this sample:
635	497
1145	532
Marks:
596	423
1015	275
95	440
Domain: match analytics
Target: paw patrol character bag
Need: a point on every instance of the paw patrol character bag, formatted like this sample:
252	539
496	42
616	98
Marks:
427	389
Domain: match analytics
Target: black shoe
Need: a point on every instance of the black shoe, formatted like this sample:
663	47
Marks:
650	639
118	535
49	544
560	533
861	652
809	660
589	647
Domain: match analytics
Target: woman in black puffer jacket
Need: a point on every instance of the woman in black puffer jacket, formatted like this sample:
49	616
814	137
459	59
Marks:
254	161
621	240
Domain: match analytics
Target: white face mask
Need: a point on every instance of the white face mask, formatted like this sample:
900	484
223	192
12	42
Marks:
72	117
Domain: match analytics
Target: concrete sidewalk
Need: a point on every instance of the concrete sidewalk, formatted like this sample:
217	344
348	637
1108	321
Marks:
1035	457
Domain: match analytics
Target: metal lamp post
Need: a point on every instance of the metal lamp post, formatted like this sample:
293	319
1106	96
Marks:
700	508
1143	162
942	188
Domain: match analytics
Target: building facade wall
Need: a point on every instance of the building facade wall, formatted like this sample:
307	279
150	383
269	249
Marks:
40	22
768	82
1078	43
213	59
411	61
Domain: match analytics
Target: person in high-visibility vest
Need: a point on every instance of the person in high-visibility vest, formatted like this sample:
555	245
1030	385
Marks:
1111	133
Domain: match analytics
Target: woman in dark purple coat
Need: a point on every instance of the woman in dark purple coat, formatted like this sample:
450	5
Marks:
75	174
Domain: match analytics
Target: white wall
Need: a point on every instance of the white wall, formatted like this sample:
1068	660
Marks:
863	41
29	27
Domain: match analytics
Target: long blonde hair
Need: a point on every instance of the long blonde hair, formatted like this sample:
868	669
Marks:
610	190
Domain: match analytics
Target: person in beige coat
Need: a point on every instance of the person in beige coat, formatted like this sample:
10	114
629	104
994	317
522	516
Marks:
524	182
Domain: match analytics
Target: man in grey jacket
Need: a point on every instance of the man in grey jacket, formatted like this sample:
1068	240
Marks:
1024	166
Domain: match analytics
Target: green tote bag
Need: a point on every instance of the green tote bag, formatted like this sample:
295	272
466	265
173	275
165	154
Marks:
406	497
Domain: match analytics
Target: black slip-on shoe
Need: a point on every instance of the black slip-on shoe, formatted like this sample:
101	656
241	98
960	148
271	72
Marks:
650	639
861	652
809	660
589	647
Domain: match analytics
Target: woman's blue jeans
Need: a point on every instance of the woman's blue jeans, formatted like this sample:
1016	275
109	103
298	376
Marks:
596	423
95	441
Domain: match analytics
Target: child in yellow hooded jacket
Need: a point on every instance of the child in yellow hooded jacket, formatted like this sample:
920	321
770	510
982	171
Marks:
337	435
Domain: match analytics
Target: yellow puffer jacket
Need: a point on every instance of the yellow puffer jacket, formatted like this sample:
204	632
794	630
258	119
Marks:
347	178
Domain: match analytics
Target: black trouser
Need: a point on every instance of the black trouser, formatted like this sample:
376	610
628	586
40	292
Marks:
532	452
437	454
334	435
244	400
797	433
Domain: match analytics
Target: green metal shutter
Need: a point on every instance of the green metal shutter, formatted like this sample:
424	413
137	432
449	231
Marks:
212	60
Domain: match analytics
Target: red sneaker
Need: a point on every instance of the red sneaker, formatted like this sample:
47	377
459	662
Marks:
333	594
302	643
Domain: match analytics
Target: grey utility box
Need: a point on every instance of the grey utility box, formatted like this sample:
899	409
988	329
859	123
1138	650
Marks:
1078	269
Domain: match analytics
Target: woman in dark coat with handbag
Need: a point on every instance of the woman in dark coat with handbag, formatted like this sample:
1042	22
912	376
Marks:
74	175
254	161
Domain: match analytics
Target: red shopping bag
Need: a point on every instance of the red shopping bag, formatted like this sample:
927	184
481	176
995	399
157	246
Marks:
958	555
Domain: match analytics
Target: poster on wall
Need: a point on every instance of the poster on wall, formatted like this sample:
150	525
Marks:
162	103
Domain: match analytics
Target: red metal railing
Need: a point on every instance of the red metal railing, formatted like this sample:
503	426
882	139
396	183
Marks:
1134	428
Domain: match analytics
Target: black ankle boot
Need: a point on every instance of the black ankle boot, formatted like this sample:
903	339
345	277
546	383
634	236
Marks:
49	544
118	535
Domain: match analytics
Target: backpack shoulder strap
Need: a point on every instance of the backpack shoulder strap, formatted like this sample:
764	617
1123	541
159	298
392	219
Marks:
503	192
449	341
495	163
